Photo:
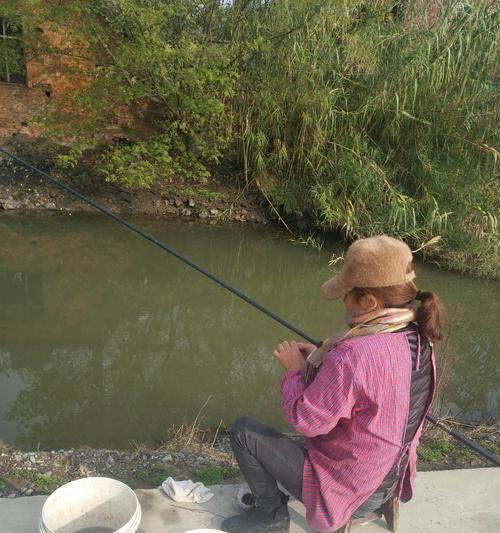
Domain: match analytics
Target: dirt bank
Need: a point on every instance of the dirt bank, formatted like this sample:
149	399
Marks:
218	200
41	472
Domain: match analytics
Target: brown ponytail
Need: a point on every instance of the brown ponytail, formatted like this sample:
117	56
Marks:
429	315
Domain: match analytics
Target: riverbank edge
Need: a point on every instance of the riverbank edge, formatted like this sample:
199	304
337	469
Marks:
220	199
217	200
197	455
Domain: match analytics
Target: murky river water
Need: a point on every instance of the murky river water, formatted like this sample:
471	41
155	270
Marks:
105	339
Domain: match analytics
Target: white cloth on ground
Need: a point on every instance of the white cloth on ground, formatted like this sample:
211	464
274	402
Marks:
186	491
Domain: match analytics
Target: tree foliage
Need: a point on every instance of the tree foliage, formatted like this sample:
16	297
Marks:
161	65
163	58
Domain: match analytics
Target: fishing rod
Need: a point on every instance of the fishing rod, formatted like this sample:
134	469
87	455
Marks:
163	246
468	442
462	438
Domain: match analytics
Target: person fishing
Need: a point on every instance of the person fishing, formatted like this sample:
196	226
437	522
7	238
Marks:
359	400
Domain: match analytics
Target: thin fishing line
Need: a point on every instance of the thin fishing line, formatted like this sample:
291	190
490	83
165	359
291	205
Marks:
462	438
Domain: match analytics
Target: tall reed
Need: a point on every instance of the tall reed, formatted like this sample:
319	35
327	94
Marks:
373	121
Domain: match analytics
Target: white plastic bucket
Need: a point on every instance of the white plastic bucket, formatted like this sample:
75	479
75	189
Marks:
91	505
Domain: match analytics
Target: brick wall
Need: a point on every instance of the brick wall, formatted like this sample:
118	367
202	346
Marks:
18	107
49	78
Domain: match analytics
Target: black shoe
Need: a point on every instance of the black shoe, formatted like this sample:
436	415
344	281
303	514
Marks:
257	521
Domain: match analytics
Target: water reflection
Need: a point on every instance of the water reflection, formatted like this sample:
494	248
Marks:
21	290
104	339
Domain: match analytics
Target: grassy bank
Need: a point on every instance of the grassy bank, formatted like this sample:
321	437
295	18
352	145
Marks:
440	451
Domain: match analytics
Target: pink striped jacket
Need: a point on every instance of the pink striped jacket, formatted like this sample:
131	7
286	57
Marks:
354	416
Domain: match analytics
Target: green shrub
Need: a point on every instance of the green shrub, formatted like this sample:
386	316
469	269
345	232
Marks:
164	69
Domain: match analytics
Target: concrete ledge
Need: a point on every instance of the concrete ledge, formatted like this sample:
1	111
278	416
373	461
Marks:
458	501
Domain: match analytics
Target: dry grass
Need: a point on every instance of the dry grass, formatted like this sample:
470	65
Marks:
3	447
439	450
476	432
486	435
193	437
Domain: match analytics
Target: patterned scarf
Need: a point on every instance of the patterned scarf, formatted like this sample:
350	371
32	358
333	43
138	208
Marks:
361	324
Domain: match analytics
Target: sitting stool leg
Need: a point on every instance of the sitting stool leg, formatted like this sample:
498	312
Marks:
390	511
346	528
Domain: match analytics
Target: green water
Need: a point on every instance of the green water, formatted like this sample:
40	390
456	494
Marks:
105	339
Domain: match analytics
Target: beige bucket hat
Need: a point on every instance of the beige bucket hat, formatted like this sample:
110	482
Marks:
380	261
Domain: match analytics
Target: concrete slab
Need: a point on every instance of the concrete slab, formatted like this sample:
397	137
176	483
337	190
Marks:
458	501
